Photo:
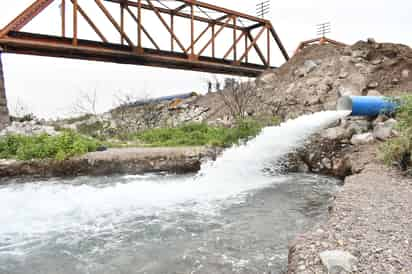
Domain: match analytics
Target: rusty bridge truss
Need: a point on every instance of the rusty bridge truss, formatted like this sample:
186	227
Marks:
198	36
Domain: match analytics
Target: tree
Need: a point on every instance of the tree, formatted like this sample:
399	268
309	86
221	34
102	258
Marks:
238	97
86	104
20	112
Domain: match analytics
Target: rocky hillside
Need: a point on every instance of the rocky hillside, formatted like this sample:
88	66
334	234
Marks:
314	78
311	81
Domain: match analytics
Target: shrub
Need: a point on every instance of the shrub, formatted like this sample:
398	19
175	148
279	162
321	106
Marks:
398	150
43	146
94	129
199	134
244	130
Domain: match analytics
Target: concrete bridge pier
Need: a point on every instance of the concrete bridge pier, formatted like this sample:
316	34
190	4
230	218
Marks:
4	112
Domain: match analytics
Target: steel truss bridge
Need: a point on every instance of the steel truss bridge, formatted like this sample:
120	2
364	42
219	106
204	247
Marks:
214	40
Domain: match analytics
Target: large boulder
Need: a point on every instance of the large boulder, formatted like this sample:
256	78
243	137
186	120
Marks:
384	130
374	92
335	133
360	53
362	139
337	261
405	73
356	126
308	67
342	167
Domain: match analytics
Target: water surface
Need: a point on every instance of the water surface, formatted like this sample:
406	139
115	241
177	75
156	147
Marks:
246	233
235	216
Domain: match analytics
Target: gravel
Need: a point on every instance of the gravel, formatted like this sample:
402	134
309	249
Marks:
371	219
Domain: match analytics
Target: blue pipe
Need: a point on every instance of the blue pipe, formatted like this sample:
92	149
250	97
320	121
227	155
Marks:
366	105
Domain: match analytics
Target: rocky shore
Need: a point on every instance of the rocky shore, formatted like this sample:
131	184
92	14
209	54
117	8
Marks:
369	228
112	161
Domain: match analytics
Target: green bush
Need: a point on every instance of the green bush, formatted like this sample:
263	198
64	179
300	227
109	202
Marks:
94	130
43	146
398	150
199	134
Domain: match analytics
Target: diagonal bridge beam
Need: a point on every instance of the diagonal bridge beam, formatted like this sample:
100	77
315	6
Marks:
26	16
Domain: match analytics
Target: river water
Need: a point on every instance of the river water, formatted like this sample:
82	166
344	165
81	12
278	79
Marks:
235	216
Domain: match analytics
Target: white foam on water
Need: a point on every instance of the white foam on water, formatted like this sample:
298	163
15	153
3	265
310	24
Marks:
37	208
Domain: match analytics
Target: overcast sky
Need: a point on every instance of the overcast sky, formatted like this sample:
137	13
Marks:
50	86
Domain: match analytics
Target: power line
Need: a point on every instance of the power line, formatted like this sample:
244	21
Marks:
204	12
242	22
163	4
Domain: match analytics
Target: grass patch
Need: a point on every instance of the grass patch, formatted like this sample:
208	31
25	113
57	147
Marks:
398	150
198	135
69	143
60	147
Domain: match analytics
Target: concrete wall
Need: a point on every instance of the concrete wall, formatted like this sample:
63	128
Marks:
4	112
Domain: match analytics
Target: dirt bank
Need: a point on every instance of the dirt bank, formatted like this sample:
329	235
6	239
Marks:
370	219
112	161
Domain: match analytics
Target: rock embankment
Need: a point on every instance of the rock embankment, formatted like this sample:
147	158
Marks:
112	161
330	152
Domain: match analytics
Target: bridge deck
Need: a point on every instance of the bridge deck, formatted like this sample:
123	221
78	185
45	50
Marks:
53	46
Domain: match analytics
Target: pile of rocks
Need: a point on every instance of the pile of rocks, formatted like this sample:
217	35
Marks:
329	151
28	128
316	77
141	117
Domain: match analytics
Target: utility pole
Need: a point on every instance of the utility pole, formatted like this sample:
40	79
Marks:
263	8
323	29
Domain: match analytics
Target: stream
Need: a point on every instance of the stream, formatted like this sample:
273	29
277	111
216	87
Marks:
248	233
236	215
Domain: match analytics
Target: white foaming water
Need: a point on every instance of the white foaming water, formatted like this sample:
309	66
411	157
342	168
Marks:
38	208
